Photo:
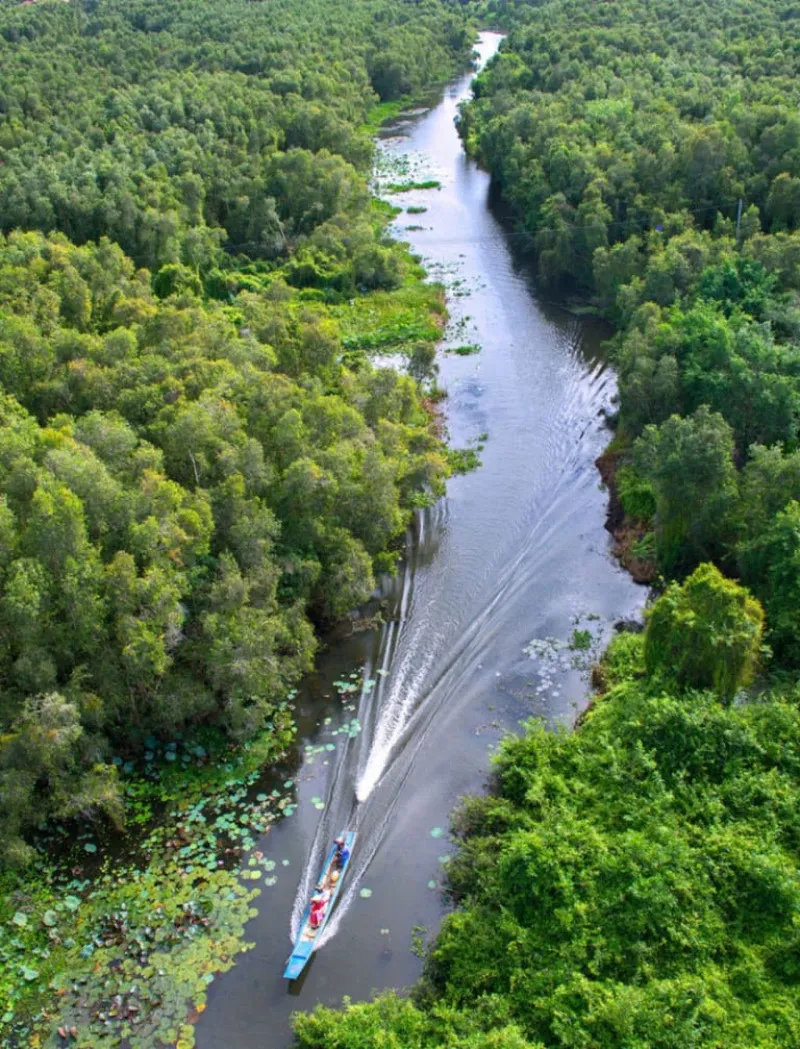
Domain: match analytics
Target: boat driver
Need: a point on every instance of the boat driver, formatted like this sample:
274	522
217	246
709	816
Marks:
341	856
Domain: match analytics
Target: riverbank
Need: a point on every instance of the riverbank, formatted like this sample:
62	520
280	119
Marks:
633	546
89	920
163	905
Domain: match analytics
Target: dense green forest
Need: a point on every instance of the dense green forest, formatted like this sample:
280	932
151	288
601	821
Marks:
636	882
198	463
649	153
200	467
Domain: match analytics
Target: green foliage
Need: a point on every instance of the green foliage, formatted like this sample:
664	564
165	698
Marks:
682	359
183	484
632	883
613	133
705	633
406	187
624	139
581	640
201	127
770	565
197	460
689	464
635	494
623	660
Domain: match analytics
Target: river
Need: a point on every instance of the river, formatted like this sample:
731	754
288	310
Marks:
516	553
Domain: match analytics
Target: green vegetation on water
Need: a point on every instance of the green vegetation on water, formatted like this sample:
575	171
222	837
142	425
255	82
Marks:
407	187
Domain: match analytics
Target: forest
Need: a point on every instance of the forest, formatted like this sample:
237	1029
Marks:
199	465
649	156
201	469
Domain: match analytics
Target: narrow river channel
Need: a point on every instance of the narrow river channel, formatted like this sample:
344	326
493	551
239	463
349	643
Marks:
516	553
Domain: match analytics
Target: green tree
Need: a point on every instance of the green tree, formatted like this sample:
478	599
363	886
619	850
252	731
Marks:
705	633
770	565
689	463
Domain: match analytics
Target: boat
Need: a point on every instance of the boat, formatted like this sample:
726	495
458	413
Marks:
308	937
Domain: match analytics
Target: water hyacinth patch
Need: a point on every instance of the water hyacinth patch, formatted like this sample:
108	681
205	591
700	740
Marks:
141	942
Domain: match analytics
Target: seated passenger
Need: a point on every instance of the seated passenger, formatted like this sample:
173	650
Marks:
319	904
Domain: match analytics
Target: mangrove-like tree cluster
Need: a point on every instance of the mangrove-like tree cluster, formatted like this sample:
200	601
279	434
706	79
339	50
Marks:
195	466
650	153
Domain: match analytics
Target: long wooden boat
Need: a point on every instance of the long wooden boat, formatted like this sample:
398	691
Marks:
308	937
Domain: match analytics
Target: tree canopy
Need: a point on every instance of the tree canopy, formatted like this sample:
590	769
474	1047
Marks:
198	463
649	154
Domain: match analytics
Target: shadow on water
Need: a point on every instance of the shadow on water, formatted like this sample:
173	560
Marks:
516	552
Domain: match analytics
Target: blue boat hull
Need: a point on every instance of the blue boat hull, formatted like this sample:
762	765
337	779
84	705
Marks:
308	937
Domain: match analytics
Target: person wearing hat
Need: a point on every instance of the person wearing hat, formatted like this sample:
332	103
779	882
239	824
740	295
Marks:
341	856
319	904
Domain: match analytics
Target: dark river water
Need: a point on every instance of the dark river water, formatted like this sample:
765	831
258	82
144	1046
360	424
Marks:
516	553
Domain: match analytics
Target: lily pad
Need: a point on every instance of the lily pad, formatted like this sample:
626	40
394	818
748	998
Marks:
49	918
20	919
365	893
90	847
432	884
437	832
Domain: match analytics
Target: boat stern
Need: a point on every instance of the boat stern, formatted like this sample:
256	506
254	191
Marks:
297	960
